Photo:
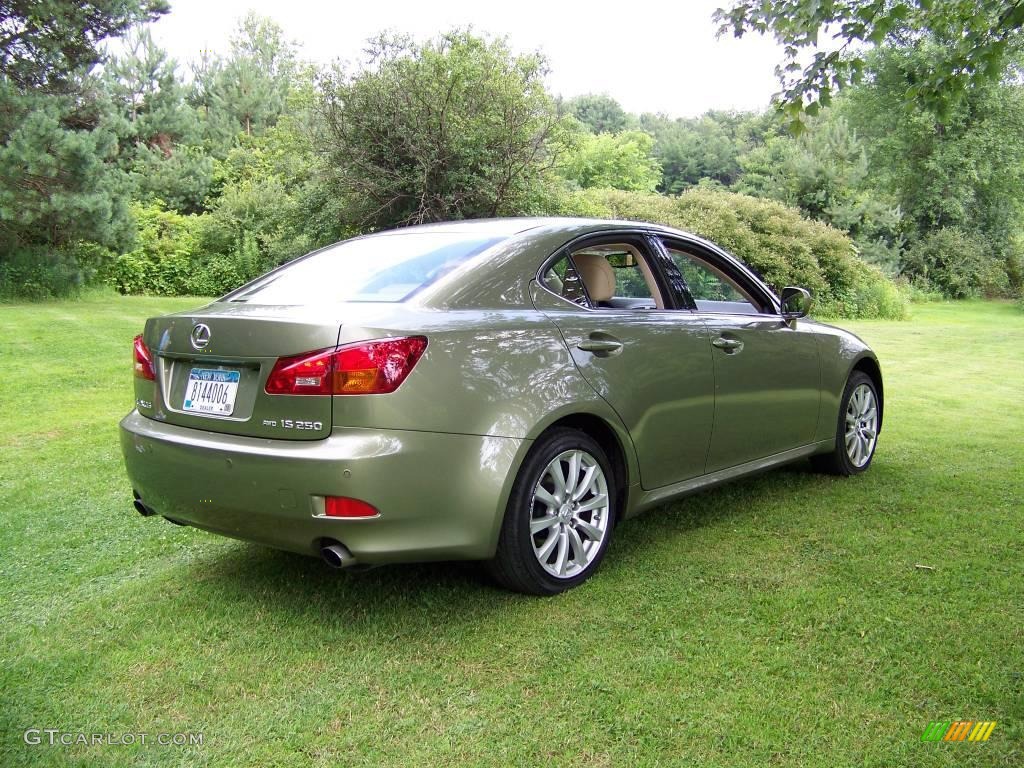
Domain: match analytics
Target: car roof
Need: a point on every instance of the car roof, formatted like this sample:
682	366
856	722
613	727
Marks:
507	227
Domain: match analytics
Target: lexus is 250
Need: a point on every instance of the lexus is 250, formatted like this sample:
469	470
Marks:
506	391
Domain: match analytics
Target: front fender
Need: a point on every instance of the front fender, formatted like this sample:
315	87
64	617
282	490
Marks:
841	352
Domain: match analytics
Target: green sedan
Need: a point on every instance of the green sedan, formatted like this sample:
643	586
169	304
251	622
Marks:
505	391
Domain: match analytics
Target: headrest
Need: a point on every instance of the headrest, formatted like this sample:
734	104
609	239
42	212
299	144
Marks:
597	274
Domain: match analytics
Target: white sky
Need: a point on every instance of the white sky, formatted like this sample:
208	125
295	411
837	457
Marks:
650	56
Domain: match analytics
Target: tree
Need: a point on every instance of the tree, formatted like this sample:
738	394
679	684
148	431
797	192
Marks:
45	43
962	169
599	113
455	127
825	172
247	90
706	147
160	144
976	39
613	161
59	181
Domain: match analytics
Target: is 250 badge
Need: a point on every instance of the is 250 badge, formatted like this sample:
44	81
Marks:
315	426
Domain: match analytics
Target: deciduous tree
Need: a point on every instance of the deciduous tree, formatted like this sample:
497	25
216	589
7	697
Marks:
455	127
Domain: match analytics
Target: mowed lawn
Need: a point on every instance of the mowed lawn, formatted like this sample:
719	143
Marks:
789	619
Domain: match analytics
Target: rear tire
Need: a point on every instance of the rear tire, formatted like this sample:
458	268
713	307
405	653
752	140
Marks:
559	517
856	430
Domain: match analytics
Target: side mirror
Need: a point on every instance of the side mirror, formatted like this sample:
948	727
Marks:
796	302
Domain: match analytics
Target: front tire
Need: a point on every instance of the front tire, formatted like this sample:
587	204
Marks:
559	517
856	431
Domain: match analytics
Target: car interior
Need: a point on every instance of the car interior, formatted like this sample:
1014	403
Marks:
616	276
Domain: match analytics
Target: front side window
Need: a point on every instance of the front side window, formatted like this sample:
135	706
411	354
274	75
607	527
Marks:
710	287
387	268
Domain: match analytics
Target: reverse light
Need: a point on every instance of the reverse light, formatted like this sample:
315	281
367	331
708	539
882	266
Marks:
143	359
342	506
365	368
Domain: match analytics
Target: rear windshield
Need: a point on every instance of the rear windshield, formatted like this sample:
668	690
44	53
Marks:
388	268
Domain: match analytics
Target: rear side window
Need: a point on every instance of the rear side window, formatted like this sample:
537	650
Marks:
562	279
629	279
388	268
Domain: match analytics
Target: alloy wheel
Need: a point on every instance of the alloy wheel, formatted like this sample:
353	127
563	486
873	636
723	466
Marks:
570	514
861	425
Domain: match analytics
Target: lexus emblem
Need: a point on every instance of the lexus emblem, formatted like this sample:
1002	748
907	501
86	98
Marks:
200	335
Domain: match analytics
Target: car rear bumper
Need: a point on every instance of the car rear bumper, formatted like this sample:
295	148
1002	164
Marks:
440	496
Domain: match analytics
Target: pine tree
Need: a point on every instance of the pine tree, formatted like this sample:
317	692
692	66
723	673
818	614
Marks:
59	182
161	146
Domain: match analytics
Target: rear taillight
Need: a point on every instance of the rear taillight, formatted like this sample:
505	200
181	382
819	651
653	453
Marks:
367	368
143	360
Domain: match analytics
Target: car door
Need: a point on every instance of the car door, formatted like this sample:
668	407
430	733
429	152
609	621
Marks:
767	369
650	361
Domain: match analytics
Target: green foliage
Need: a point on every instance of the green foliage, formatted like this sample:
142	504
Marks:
963	171
247	90
172	257
975	40
60	187
183	178
704	148
825	172
270	194
456	127
160	142
599	113
781	245
614	161
259	159
47	43
957	264
59	183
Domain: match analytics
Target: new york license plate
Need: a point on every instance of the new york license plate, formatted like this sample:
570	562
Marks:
211	391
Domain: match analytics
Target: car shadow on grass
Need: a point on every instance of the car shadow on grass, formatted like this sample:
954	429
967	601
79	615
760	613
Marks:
461	592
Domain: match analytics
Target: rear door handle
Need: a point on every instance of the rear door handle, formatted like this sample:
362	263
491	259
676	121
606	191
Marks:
729	345
600	345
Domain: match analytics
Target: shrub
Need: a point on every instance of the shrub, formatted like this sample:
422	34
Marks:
180	255
42	273
956	263
775	240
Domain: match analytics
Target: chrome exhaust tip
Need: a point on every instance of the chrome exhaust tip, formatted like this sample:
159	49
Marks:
336	555
142	509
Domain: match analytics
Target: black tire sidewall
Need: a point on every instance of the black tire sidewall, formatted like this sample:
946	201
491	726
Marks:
856	379
520	507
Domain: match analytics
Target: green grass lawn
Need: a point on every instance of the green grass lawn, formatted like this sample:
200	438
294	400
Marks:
781	620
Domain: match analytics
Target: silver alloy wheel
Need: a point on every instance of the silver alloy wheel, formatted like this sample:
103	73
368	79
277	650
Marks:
569	518
861	425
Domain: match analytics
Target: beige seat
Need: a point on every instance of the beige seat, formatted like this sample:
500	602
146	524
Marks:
597	274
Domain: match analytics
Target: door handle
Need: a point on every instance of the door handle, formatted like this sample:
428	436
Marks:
600	346
729	345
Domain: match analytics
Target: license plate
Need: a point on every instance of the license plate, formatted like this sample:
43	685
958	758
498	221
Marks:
211	391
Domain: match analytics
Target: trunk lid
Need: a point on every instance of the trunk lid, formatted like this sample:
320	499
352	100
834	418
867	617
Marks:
212	365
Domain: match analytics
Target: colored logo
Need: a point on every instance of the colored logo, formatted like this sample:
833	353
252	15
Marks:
959	730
